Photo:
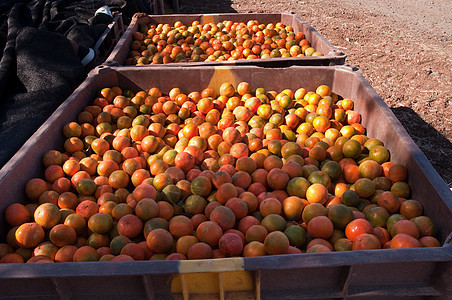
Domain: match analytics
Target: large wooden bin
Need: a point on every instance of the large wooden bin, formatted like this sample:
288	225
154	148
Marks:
332	55
415	273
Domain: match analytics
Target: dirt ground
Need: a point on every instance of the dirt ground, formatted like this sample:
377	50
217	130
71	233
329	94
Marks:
402	47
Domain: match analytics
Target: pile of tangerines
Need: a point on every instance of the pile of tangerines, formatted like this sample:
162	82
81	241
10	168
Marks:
227	40
212	174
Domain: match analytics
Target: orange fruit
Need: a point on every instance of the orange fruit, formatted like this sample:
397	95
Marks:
241	179
180	226
254	249
380	154
320	227
319	248
144	191
321	123
293	207
332	169
100	223
11	258
378	216
16	214
397	173
317	153
313	210
370	169
47	215
340	215
382	234
77	222
270	206
274	222
364	187
97	240
135	251
195	204
425	225
357	227
85	253
382	183
298	186
351	149
403	240
405	226
118	179
146	209
230	244
197	219
238	207
199	251
224	216
351	173
159	240
394	218
319	241
250	200
209	232
401	189
117	243
343	244
87	208
130	226
62	235
256	233
337	234
389	201
65	253
411	208
320	177
35	187
323	90
293	169
28	235
225	192
296	235
184	243
276	242
317	193
366	241
429	241
201	186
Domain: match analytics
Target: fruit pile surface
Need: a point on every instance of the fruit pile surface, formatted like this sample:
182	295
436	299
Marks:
214	173
163	43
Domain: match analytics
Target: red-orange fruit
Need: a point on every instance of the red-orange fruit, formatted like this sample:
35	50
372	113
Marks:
230	244
275	243
159	241
224	216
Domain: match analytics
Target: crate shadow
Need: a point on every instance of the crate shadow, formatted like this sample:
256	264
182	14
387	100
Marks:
203	7
432	143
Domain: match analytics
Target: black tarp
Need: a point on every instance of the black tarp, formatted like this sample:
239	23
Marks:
42	45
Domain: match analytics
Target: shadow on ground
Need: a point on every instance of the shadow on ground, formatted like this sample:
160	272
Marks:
427	139
205	7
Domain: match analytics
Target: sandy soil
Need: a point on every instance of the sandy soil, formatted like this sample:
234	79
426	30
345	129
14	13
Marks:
403	48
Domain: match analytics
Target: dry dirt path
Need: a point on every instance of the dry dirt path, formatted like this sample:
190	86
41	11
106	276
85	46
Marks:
403	47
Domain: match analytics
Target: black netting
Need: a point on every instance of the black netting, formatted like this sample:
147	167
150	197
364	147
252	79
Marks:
42	46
